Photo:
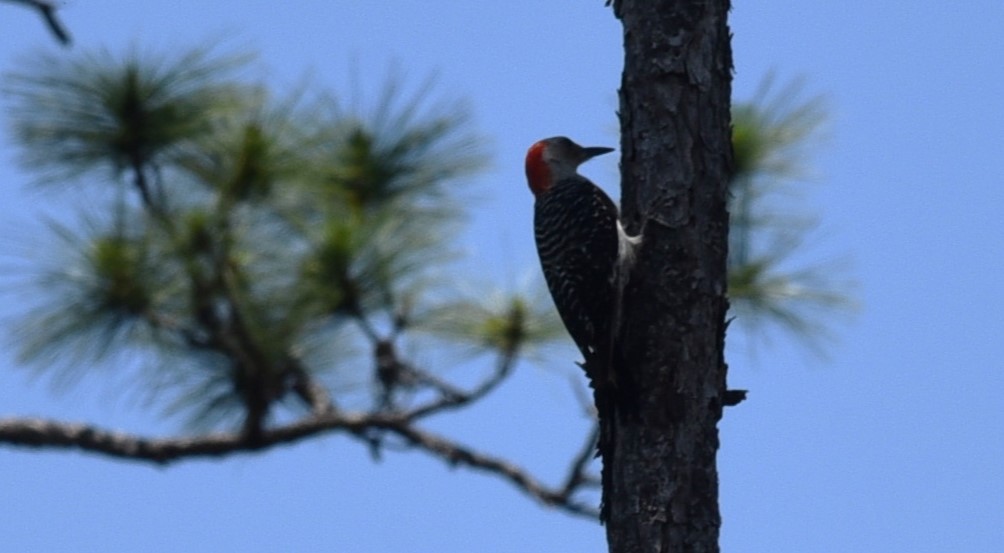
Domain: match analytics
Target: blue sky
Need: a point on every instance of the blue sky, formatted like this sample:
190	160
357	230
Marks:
893	443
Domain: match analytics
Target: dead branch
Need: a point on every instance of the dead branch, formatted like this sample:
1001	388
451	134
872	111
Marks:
456	454
48	12
452	398
40	433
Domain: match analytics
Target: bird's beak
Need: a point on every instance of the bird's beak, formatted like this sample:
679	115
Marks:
593	151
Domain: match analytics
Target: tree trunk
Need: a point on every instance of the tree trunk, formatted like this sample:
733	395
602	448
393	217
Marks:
677	156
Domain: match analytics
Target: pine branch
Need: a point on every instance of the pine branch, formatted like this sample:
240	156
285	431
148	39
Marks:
40	433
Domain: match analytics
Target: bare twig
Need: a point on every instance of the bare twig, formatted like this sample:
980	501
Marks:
577	475
456	399
310	390
48	12
458	455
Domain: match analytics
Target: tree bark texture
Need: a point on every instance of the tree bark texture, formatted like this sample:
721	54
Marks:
677	157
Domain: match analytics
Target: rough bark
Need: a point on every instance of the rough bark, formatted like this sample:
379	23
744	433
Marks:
675	129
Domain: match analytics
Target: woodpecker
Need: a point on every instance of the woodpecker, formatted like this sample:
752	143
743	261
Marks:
585	254
582	245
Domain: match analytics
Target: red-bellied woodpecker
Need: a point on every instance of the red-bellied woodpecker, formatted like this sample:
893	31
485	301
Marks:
586	255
